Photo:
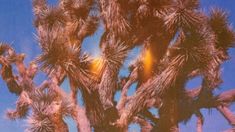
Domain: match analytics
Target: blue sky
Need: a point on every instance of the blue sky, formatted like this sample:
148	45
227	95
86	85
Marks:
16	28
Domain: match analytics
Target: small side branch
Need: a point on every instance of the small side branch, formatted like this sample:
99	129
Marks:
132	78
227	113
145	125
200	121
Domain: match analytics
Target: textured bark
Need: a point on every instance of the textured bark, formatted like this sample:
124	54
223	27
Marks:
108	86
227	114
144	125
131	79
169	116
157	86
199	122
83	123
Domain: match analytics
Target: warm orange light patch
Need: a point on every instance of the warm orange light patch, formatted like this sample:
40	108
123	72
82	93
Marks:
96	65
148	62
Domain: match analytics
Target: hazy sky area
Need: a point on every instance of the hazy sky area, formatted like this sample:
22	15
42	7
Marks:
16	28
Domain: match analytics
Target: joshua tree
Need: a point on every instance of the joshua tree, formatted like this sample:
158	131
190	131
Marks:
178	41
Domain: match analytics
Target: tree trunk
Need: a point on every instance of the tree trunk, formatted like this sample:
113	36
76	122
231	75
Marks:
168	121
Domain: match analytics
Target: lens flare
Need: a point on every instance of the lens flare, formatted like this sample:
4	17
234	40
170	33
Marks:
96	65
148	62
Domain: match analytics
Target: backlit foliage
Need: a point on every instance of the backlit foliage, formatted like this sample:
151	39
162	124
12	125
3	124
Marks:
178	42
